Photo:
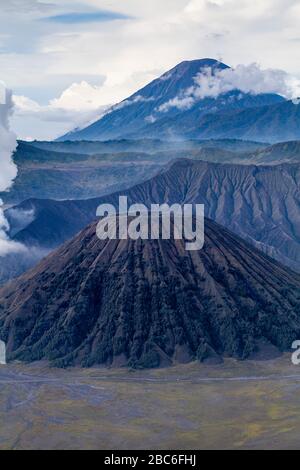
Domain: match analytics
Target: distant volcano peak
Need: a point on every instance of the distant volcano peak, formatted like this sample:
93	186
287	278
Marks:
201	63
186	71
175	105
196	65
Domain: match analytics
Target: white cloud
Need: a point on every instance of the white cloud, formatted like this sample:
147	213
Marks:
129	102
79	96
151	119
186	101
77	107
8	246
244	9
245	78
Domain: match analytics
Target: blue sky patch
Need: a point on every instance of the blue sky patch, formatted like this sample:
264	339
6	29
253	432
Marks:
91	17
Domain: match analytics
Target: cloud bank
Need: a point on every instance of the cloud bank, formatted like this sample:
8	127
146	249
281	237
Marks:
250	79
78	106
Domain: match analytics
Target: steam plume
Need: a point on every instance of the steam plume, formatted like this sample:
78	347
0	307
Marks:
8	170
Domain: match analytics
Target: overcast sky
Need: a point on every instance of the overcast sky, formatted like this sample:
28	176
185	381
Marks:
65	61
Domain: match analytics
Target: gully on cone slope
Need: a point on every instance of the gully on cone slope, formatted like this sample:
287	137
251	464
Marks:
149	303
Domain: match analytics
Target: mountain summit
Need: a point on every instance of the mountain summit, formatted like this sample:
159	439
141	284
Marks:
136	111
163	108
